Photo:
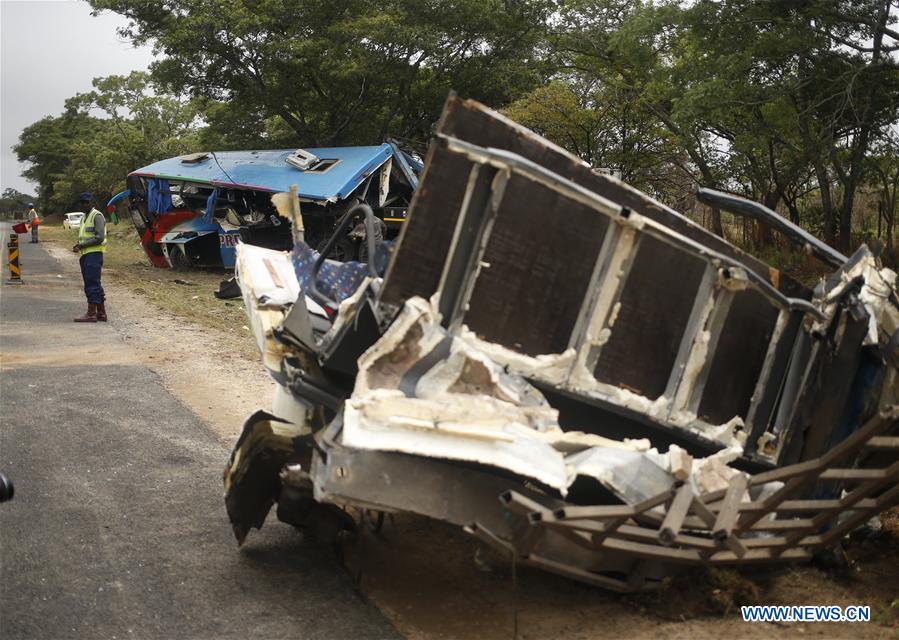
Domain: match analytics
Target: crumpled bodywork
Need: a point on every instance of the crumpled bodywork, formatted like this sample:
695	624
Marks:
568	369
466	408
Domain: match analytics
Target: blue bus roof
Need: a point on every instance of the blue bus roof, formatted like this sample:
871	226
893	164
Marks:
269	170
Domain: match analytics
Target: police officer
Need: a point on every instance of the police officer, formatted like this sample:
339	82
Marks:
92	245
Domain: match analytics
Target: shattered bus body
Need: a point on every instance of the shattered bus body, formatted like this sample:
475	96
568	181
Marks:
609	399
191	211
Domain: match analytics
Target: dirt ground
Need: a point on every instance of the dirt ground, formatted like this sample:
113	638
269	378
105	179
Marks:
432	580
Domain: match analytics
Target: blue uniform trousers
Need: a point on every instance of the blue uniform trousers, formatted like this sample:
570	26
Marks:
91	265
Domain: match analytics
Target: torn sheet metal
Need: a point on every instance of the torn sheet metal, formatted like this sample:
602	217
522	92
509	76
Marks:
610	397
453	493
876	293
265	446
462	407
268	286
269	276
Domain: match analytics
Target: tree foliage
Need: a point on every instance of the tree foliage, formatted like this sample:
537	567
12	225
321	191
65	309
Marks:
778	100
14	203
342	71
101	136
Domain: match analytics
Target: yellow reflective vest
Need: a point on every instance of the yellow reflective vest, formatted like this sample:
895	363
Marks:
88	230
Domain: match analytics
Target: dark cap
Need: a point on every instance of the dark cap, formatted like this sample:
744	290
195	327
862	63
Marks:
85	197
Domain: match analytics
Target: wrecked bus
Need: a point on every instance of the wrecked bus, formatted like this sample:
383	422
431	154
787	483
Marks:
191	211
611	399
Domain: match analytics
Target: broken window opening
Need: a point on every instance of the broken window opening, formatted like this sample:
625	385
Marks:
322	166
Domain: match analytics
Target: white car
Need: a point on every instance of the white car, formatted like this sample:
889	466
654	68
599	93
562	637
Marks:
72	220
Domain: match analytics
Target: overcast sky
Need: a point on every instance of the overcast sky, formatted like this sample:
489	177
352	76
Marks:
49	51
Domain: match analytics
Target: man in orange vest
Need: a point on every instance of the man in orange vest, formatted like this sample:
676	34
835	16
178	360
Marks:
35	222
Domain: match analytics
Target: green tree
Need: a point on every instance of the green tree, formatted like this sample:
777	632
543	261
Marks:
78	151
633	49
592	119
760	96
46	146
342	71
13	203
884	178
237	125
805	85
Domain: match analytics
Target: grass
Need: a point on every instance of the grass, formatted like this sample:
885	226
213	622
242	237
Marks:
184	294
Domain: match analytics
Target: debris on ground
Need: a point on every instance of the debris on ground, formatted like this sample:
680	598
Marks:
228	289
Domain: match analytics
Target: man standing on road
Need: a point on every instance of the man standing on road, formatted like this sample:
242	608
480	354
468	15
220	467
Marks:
35	222
92	245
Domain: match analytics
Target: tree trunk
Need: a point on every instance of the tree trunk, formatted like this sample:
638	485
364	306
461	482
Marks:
764	237
845	237
793	209
815	146
862	136
890	207
717	229
890	222
830	223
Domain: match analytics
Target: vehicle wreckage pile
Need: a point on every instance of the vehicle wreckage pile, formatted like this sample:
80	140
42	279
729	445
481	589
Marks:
575	373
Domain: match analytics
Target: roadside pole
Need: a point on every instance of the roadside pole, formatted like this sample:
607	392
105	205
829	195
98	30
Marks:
15	270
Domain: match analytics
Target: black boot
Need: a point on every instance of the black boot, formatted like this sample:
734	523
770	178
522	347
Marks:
90	316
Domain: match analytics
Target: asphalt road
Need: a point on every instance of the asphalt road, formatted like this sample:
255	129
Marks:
118	527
